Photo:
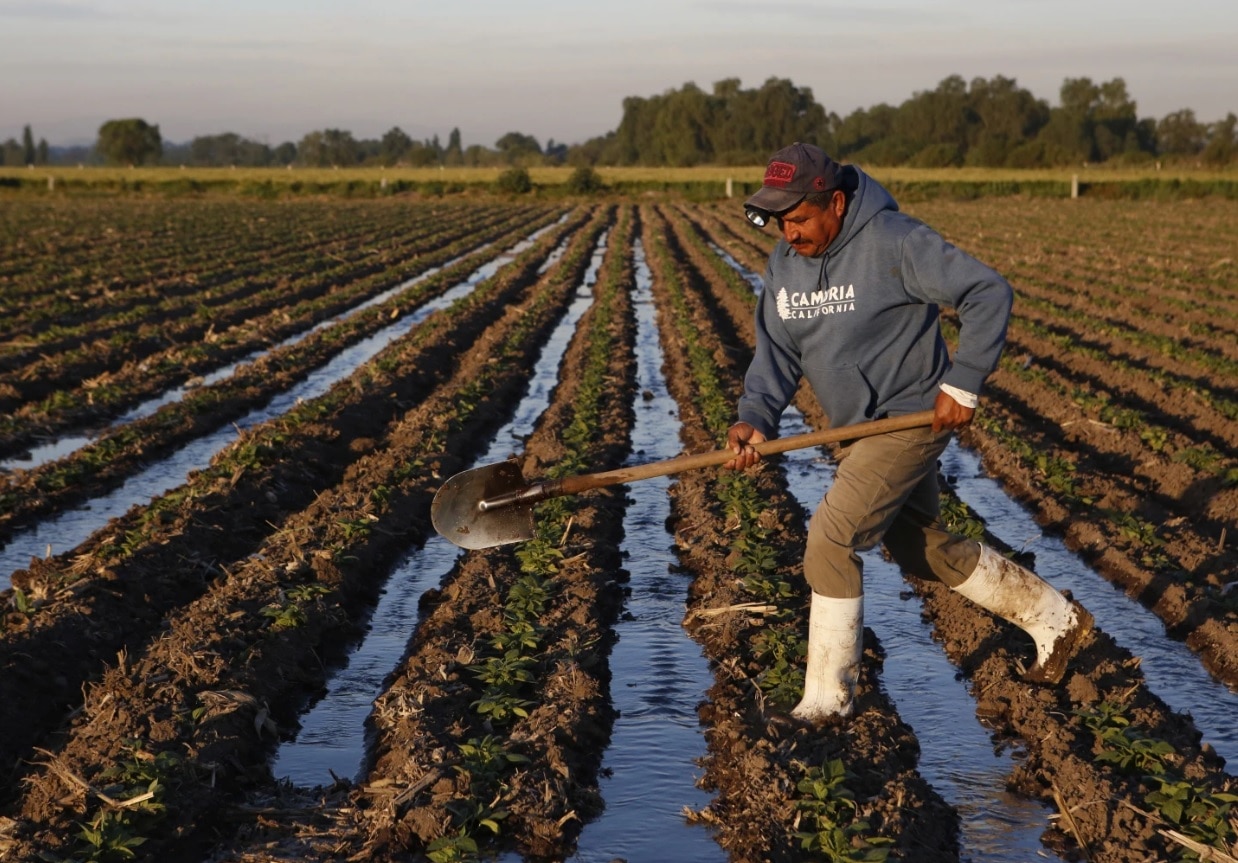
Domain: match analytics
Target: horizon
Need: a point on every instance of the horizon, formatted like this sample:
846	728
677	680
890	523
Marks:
273	72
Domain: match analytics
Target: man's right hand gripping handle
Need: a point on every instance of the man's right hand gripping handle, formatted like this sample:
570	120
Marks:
739	439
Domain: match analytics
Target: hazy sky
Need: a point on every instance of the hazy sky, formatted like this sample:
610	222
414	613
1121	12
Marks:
273	70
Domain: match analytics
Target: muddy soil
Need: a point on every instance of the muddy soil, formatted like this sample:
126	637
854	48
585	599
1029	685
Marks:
180	643
123	600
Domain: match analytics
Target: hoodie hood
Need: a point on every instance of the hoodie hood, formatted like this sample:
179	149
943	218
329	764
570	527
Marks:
868	199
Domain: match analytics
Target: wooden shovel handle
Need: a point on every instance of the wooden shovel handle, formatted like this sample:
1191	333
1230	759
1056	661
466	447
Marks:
585	482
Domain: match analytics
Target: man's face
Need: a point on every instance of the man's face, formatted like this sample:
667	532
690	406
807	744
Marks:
810	229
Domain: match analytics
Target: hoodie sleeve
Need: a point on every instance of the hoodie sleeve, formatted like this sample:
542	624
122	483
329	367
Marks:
937	272
774	374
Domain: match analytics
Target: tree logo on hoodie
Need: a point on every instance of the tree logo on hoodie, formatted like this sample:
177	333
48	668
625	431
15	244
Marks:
784	308
813	304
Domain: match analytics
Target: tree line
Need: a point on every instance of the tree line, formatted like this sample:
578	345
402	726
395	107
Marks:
983	123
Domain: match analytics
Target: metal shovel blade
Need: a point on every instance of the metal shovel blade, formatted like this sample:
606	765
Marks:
457	513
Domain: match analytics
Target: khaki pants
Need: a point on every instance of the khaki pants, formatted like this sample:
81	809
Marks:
885	489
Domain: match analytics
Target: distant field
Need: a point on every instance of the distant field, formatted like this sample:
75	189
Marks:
75	176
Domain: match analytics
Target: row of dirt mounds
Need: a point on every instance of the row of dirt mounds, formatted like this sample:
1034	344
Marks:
113	454
160	663
128	340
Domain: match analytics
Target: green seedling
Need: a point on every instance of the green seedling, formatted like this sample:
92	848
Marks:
1200	815
830	809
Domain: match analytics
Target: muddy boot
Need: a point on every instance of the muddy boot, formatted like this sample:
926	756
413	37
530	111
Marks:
835	641
1056	624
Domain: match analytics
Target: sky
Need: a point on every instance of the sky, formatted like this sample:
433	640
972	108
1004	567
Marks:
274	70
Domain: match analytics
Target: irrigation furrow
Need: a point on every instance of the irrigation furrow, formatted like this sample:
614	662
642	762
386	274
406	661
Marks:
430	784
732	233
74	525
424	722
956	760
954	623
145	273
658	674
85	606
1191	513
744	607
1187	257
309	581
340	716
105	462
98	394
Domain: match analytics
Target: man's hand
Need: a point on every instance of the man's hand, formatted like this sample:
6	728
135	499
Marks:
739	439
949	414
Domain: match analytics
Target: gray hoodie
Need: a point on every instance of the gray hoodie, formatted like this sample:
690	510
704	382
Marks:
860	322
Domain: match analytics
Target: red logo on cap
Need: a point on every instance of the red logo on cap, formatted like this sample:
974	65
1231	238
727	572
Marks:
779	173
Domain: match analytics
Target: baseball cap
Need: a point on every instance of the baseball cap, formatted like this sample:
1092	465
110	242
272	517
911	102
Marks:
792	173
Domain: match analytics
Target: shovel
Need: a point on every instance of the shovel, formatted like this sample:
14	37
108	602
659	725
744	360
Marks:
492	505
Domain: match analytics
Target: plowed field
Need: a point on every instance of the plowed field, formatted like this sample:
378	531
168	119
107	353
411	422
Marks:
150	671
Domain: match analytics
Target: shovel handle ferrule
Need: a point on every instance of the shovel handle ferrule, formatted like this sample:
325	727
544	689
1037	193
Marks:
528	495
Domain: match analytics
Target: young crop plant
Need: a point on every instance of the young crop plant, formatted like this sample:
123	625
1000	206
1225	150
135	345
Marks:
829	812
289	613
1200	815
1122	744
131	805
505	678
959	518
781	651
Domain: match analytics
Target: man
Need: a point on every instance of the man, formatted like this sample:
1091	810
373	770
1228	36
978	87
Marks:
851	300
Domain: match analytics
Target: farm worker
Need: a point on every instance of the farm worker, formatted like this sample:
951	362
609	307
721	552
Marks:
851	299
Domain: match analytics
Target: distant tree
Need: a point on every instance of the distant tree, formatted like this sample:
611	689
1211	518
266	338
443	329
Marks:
555	152
1067	137
745	126
934	124
29	154
284	154
633	140
1222	147
423	154
867	135
1180	134
43	155
131	141
516	148
728	125
1094	123
454	152
591	152
683	127
1006	117
310	151
11	152
395	145
228	148
328	148
475	156
1115	121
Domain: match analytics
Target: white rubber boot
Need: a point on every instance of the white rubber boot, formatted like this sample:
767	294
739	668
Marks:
1013	593
835	643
